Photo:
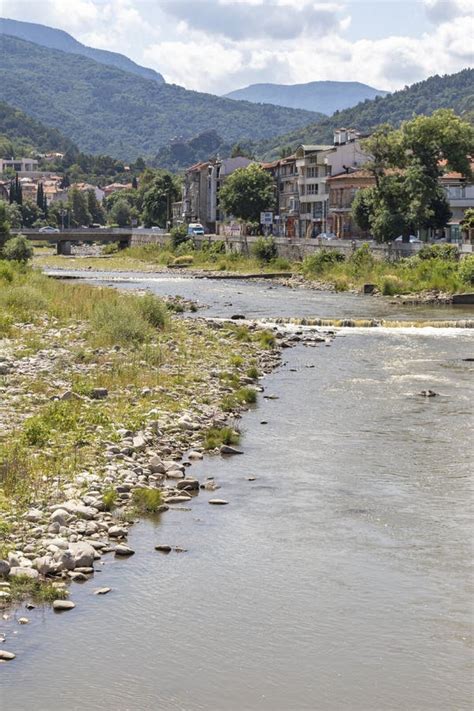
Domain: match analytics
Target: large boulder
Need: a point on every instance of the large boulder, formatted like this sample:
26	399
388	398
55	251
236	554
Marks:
28	572
83	554
4	567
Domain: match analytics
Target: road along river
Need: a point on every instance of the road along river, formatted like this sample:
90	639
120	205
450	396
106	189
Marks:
337	578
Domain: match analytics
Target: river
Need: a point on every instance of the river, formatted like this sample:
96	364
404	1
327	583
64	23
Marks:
337	580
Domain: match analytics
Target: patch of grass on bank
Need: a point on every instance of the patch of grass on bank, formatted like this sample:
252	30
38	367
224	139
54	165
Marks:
216	436
22	587
147	500
433	268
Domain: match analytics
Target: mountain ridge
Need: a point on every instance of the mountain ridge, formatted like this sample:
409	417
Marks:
53	38
323	96
106	110
452	91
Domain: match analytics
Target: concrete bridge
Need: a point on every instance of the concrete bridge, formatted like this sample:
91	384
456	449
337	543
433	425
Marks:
65	238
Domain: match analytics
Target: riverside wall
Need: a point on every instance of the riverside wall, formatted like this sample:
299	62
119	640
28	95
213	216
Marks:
292	249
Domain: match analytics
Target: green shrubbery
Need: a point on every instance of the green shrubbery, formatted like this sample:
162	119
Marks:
125	320
264	249
466	269
17	249
319	262
147	500
446	252
216	436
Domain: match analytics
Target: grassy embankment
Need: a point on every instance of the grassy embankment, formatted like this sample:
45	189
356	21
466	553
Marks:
433	269
61	337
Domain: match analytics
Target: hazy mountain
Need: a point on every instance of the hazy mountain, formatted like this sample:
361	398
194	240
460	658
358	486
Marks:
324	96
57	39
105	110
452	91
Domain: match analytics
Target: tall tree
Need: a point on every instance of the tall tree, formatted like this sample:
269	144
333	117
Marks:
77	203
95	208
121	213
406	165
4	225
247	192
158	198
40	196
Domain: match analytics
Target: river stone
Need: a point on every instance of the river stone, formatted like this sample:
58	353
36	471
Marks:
190	484
138	443
60	516
226	449
34	515
63	605
102	591
6	656
4	567
28	572
163	549
156	466
123	550
83	554
99	393
4	595
117	532
195	455
23	620
218	502
178	499
86	512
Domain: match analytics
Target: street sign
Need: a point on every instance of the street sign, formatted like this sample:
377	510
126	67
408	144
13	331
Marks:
266	218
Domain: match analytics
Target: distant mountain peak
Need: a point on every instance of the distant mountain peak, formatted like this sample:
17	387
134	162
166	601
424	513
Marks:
58	39
323	96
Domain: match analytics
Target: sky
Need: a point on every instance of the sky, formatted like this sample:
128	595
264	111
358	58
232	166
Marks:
220	45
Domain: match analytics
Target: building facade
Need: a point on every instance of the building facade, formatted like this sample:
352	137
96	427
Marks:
202	184
19	165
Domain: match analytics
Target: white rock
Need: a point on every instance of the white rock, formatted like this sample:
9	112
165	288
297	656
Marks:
83	554
34	516
218	502
62	605
6	656
28	572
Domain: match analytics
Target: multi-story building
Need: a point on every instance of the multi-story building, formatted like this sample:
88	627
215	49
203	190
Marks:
19	165
202	184
460	194
301	183
342	190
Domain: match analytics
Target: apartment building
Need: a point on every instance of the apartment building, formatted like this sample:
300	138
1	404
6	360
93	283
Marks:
19	165
202	184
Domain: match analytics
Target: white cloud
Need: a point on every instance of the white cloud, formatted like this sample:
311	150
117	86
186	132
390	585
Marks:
220	45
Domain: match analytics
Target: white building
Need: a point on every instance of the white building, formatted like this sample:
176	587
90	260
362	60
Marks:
315	164
19	165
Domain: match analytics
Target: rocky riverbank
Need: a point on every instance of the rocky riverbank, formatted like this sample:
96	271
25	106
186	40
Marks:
93	437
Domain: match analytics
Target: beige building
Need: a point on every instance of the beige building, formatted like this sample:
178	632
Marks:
19	165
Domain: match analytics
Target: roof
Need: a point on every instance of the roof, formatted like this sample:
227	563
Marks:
357	174
310	148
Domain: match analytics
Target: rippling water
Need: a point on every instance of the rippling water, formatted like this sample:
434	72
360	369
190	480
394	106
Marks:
337	580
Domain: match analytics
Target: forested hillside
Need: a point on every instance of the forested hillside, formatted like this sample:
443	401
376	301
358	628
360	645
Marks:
452	91
20	135
105	110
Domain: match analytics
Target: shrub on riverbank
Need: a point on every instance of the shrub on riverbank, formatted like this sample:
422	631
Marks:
147	500
216	436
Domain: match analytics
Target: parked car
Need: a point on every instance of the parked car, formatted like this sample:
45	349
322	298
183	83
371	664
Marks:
48	229
412	239
327	235
195	228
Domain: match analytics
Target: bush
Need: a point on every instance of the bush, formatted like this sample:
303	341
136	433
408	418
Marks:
147	500
178	236
247	395
362	260
23	302
266	339
265	249
18	249
109	499
119	322
216	436
153	310
391	285
466	269
282	264
253	372
321	261
110	248
446	252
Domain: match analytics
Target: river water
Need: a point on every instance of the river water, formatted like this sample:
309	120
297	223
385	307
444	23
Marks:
339	579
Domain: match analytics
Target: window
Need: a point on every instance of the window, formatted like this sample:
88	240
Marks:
312	189
312	172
